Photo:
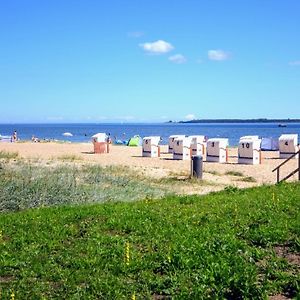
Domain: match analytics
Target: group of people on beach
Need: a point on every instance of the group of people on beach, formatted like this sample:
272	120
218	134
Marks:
14	138
34	139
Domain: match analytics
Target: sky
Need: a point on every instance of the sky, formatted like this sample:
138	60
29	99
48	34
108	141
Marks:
148	60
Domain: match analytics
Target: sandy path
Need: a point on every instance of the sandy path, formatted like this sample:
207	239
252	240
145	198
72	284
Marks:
158	167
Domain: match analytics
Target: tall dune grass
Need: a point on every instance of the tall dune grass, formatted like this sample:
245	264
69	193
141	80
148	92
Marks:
7	155
26	186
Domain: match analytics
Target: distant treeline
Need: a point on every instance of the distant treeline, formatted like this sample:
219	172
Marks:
241	121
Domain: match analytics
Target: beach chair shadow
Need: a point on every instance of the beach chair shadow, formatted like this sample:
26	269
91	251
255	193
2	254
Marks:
272	158
169	158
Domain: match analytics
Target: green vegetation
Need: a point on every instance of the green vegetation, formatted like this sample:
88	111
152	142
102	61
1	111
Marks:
235	244
5	155
212	172
27	185
260	120
234	173
248	179
32	185
240	174
184	180
69	157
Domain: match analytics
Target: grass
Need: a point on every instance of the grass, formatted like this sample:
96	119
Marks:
248	179
25	186
234	244
69	157
213	172
240	174
29	185
184	180
219	246
8	155
235	173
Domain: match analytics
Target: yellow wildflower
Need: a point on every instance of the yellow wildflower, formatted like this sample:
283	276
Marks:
127	253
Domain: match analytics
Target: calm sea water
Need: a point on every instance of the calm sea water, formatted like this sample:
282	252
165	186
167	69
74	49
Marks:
83	132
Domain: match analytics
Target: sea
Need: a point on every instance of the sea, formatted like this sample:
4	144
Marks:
122	132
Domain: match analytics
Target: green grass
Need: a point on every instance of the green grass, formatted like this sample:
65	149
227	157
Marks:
218	246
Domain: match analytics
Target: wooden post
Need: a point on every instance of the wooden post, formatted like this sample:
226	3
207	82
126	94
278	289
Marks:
278	175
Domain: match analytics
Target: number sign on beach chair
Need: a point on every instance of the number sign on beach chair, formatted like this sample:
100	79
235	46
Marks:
217	150
182	148
198	144
172	140
249	151
288	145
150	146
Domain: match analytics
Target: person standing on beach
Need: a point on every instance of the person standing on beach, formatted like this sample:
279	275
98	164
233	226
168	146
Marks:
108	139
14	137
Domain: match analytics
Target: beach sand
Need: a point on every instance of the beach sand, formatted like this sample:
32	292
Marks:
217	175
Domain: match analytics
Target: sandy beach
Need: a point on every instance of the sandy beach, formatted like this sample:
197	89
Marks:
219	175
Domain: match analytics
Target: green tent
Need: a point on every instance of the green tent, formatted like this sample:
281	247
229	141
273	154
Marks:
135	141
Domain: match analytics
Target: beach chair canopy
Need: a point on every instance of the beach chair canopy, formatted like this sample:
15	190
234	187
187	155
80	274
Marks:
154	139
223	141
289	137
249	137
99	137
184	141
195	139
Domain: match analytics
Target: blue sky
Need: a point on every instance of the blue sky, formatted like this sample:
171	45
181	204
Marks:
148	61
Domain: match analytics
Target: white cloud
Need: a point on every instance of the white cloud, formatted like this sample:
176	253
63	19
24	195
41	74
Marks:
218	55
158	47
177	59
294	63
190	117
135	34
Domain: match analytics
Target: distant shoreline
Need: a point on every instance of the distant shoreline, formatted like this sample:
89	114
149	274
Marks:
260	120
280	121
